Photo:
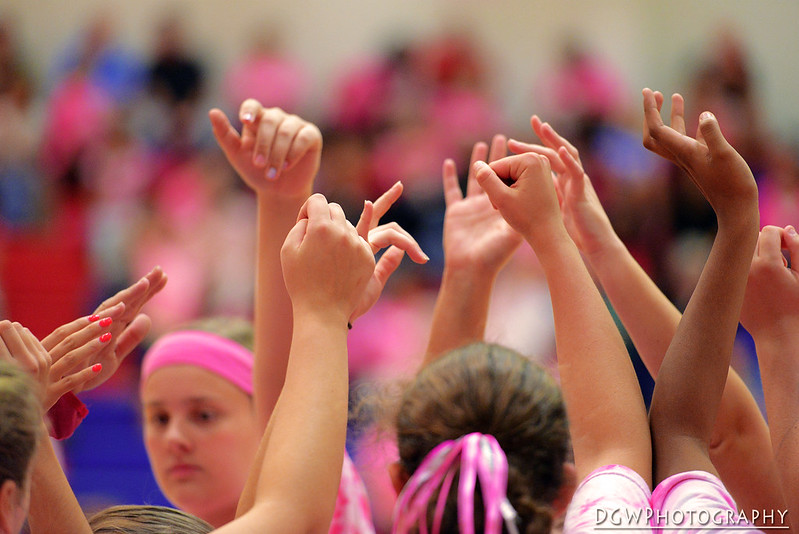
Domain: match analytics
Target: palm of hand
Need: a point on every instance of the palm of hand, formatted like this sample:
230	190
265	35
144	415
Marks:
476	233
720	175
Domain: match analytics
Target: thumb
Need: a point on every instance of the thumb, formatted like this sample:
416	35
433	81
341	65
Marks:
711	132
490	182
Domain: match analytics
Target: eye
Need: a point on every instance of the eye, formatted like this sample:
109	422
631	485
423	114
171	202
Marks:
204	416
158	419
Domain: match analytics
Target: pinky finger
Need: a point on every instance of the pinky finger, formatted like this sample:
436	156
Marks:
72	382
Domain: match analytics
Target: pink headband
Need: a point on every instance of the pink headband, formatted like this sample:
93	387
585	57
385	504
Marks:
221	356
477	456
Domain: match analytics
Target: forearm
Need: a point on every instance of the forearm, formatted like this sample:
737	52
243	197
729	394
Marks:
272	307
694	370
779	371
741	452
647	314
305	449
460	312
591	357
651	321
53	506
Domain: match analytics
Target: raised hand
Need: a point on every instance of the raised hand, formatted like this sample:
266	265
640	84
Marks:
771	301
390	235
530	204
476	235
326	262
55	378
276	152
712	163
128	328
583	215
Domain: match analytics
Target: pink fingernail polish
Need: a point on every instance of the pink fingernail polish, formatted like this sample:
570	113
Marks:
105	338
97	367
260	160
271	173
106	322
247	117
93	317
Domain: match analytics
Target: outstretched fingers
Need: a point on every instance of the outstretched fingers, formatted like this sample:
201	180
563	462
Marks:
452	189
479	153
392	234
385	201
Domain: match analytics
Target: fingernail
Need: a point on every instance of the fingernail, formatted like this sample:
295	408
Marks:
105	338
106	322
260	160
97	367
791	230
248	117
706	115
426	257
93	317
271	173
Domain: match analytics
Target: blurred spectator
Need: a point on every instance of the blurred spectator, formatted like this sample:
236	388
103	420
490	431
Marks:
21	190
115	69
268	74
169	118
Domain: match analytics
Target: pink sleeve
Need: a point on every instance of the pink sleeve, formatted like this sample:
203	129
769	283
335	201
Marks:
611	497
353	513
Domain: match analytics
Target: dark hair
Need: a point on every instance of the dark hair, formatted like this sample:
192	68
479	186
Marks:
490	389
233	328
144	519
20	421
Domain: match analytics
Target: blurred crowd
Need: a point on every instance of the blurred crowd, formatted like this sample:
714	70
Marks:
108	167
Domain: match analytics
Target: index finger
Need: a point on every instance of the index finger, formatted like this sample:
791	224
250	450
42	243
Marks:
479	153
666	137
452	189
385	201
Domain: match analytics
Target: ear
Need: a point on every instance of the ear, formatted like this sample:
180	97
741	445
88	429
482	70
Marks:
398	476
9	503
566	490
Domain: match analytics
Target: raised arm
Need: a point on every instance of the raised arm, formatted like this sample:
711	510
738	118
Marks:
693	373
477	244
277	155
740	444
327	266
770	314
606	411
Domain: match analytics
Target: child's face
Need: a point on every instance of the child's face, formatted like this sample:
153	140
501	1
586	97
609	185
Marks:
201	436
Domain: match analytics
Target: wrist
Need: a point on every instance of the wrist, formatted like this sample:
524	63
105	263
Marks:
275	201
312	317
606	254
469	274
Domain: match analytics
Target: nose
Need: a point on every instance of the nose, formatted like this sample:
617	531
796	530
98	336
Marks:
177	436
